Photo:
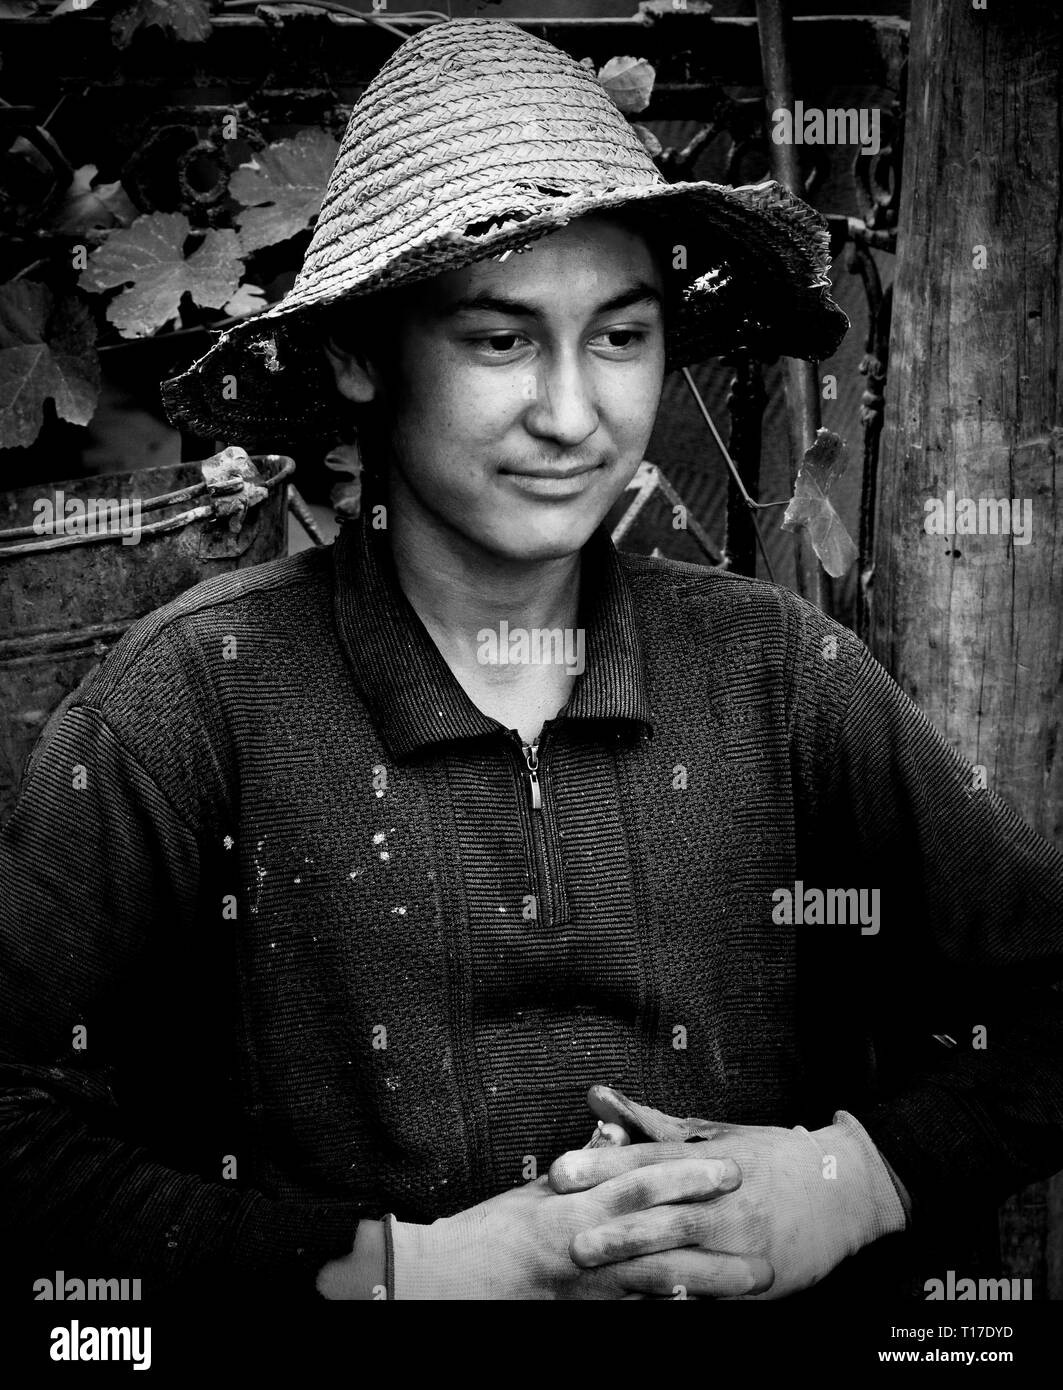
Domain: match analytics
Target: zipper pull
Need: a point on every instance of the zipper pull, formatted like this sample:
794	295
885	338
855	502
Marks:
531	757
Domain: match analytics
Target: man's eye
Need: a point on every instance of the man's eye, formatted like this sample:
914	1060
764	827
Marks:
500	342
620	338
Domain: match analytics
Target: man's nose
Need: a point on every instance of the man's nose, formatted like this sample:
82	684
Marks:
562	406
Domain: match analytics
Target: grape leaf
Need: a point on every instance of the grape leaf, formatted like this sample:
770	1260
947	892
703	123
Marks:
247	300
185	19
281	188
47	350
629	81
148	257
86	211
823	464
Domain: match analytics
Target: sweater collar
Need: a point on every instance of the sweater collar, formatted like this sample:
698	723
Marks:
410	690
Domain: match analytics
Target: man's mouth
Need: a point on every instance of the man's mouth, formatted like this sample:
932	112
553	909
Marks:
552	482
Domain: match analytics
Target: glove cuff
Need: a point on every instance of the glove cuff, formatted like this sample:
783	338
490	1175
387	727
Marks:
865	1191
445	1260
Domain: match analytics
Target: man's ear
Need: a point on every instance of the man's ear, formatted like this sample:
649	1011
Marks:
356	378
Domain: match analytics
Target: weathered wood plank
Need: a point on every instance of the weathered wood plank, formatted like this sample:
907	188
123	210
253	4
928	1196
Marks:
971	625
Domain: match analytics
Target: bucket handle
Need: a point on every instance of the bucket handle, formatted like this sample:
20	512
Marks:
152	504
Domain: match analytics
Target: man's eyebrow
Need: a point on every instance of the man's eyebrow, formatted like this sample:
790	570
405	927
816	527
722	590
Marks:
637	293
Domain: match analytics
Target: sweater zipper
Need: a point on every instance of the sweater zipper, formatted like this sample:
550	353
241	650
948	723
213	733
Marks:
540	830
531	757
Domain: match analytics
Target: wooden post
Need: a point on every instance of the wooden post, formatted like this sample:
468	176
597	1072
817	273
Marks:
972	624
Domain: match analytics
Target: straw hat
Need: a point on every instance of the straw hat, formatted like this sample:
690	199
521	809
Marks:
475	139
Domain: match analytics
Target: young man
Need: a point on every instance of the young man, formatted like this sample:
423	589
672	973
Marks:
308	974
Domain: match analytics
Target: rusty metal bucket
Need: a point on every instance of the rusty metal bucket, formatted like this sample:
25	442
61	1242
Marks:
73	579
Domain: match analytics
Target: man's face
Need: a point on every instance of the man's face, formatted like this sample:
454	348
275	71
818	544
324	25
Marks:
522	393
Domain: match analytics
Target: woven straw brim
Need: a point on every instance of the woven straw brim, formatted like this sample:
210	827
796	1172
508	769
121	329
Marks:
770	298
474	139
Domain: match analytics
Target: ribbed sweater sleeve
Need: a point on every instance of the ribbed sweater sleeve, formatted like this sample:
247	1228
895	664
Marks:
963	978
97	865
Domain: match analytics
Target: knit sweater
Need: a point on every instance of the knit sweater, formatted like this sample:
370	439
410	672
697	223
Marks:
287	943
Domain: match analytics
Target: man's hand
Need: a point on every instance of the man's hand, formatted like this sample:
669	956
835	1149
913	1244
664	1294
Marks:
804	1202
516	1245
362	1273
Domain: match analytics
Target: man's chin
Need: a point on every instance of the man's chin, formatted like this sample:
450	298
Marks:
552	538
533	529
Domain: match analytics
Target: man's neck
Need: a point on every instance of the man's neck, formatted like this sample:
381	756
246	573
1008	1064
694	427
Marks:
458	589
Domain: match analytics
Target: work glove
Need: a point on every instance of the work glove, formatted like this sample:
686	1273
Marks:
806	1201
516	1245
